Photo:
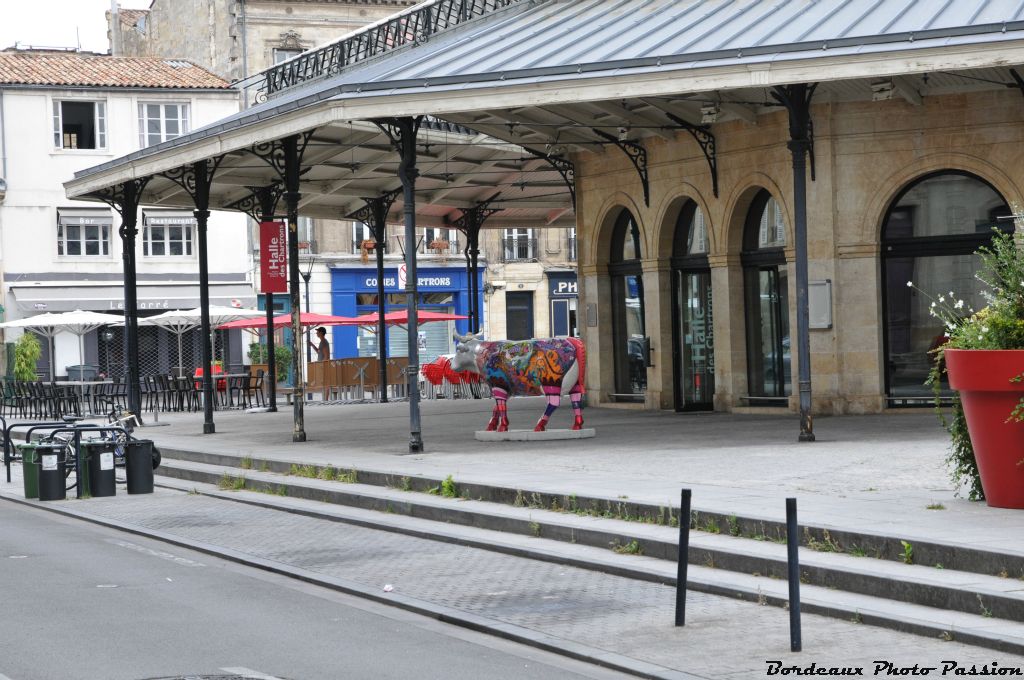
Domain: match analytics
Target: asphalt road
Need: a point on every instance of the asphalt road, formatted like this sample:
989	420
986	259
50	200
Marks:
84	602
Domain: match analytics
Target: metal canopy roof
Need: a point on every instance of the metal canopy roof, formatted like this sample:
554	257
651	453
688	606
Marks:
557	76
345	162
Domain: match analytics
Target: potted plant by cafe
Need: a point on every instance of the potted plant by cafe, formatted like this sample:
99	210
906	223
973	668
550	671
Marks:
984	359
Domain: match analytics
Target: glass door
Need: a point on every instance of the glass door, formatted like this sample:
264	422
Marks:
769	370
695	371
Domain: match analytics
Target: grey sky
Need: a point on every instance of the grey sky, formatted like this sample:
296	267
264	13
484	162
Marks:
53	23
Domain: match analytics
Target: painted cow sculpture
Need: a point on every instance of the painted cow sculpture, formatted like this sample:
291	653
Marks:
550	367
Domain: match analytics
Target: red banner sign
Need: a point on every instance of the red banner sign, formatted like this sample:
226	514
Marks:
273	257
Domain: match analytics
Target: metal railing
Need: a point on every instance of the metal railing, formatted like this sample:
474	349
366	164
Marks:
518	249
407	28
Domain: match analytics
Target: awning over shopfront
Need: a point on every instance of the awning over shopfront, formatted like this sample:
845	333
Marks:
34	299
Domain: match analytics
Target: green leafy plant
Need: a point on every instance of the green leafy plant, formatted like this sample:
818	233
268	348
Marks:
26	354
631	548
449	488
908	552
999	325
282	356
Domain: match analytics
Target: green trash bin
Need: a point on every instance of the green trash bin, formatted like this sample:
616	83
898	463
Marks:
29	469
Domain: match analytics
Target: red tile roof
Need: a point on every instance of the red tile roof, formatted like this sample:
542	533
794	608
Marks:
130	17
77	69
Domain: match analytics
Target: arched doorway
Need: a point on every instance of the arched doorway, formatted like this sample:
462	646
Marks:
766	296
692	329
632	347
930	234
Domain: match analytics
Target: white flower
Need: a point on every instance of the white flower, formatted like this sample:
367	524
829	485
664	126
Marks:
942	298
951	294
959	304
933	305
910	284
984	329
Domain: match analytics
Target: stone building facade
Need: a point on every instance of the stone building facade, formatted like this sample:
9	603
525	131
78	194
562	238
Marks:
902	191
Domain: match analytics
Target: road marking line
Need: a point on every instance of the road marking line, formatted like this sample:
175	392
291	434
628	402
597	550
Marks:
158	553
246	673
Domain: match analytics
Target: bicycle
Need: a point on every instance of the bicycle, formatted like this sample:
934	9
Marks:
127	421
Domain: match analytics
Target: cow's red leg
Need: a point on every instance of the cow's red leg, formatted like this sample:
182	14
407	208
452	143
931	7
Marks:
577	409
553	401
502	416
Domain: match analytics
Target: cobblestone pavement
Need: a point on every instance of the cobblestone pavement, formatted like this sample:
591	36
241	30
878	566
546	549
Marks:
723	638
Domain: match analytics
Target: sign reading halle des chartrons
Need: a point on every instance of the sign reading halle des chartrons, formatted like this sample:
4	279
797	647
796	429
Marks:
273	257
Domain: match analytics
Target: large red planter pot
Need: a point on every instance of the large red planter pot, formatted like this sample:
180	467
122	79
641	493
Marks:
982	377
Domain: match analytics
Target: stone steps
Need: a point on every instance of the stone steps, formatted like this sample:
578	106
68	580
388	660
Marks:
980	609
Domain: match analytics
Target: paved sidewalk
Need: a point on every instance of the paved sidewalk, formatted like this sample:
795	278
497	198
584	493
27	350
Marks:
876	473
596	614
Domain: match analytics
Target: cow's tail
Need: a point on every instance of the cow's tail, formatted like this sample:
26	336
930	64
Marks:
581	359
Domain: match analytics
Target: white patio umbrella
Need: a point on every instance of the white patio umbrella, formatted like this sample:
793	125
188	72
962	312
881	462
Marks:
181	321
78	322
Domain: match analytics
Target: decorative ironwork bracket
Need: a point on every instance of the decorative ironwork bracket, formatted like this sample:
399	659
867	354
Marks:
797	100
637	154
260	203
195	185
125	199
706	139
375	213
273	153
1018	81
472	220
564	167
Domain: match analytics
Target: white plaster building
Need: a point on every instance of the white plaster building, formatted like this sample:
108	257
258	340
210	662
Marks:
64	111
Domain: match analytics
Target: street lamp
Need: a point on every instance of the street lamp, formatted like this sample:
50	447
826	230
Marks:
305	279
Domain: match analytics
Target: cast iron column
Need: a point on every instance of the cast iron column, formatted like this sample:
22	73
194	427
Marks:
291	198
470	224
268	197
202	213
402	133
797	100
374	214
129	209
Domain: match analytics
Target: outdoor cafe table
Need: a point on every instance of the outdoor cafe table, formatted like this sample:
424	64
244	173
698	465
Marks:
85	397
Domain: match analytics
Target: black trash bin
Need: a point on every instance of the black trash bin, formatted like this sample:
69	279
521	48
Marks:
138	464
51	472
99	464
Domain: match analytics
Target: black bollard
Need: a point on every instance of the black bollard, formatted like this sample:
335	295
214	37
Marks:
683	559
792	543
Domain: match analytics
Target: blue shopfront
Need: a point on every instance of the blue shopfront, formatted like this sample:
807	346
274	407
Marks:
441	289
562	292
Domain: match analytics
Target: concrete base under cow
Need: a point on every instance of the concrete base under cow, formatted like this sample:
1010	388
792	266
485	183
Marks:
531	436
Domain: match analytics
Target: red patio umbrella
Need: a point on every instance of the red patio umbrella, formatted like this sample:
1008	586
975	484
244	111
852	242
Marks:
402	317
285	320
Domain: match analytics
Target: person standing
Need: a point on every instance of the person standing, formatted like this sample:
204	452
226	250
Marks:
323	349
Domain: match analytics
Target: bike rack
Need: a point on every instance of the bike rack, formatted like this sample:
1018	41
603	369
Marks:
54	428
9	455
77	430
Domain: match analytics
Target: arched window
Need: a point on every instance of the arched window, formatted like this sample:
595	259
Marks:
631	344
930	234
692	331
766	292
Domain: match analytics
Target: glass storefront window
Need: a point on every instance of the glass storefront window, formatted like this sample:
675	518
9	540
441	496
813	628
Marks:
930	235
628	322
766	292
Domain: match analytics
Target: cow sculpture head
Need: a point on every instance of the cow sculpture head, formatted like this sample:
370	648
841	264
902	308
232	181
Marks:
467	347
